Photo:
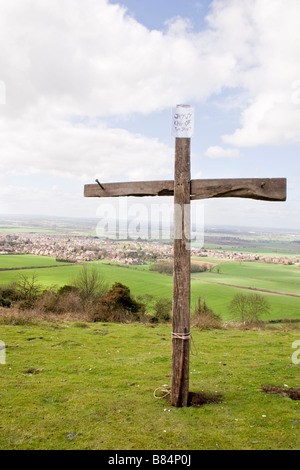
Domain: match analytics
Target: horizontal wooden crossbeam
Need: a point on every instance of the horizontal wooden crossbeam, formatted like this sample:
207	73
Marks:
266	189
136	188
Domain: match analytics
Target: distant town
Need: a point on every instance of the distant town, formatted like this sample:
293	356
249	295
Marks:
76	249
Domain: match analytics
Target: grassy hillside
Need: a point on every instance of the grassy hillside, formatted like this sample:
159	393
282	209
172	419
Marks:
46	276
69	387
275	277
142	281
23	261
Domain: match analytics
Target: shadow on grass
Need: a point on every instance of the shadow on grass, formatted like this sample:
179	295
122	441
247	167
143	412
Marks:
197	399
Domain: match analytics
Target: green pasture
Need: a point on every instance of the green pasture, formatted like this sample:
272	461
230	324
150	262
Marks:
275	277
142	281
23	261
288	251
283	246
218	298
90	386
29	230
48	277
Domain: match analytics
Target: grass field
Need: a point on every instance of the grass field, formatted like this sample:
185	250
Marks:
275	277
90	386
142	281
280	242
274	249
23	261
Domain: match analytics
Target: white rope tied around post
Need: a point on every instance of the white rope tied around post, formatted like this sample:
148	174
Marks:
185	336
164	389
181	335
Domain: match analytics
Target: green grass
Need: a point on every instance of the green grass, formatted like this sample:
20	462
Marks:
23	261
218	298
95	390
271	277
262	245
275	277
142	281
46	276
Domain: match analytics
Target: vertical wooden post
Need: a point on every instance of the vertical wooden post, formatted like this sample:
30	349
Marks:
181	275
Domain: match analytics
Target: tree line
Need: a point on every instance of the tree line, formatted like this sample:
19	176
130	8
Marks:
166	267
89	295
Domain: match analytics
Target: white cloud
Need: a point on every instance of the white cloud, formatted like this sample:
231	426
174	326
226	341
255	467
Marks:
39	201
80	152
72	59
91	58
270	119
265	41
219	152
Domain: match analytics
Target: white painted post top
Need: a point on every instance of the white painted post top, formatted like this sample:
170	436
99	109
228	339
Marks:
182	121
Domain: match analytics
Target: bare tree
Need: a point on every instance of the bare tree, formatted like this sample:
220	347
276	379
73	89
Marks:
27	288
248	308
90	282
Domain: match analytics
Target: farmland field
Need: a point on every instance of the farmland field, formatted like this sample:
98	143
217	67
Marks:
46	225
276	278
260	241
23	261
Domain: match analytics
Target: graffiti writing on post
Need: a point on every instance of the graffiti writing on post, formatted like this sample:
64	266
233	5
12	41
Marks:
182	121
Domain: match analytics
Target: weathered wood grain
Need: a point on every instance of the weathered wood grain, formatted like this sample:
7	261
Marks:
135	188
267	189
181	274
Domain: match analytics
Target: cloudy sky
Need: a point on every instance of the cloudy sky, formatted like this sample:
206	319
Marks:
87	87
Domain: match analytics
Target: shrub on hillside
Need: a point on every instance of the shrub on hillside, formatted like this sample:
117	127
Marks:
118	305
203	316
146	301
199	268
162	267
90	282
27	290
9	292
47	302
8	295
166	267
53	302
66	289
162	311
5	302
70	302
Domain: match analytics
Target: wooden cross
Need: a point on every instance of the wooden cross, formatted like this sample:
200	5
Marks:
184	190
